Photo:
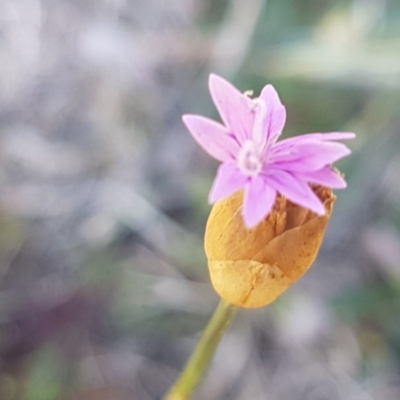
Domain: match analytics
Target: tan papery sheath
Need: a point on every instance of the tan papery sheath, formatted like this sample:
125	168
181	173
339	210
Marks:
252	267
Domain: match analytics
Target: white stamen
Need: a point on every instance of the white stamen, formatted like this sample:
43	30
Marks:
251	156
260	112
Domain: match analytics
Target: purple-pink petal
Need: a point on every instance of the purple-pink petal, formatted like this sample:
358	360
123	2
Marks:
328	136
258	201
326	176
227	182
331	136
276	113
234	107
212	136
295	189
308	155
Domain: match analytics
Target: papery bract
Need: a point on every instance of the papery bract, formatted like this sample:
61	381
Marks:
253	160
252	267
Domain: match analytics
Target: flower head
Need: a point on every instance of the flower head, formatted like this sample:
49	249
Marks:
253	160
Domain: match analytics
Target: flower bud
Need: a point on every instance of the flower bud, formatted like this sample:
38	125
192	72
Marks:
252	267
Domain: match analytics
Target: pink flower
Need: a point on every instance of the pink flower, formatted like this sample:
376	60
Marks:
253	160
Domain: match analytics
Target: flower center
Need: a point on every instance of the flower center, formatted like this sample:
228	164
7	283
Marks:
250	160
251	155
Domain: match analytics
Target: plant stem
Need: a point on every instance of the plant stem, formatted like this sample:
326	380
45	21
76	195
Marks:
203	354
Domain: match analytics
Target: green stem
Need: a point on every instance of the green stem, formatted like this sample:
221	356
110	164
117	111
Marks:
203	354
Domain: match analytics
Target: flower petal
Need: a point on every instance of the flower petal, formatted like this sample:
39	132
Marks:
308	155
329	136
212	136
332	136
258	201
234	107
276	113
326	176
227	182
295	189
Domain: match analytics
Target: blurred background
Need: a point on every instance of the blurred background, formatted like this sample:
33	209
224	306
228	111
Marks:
104	287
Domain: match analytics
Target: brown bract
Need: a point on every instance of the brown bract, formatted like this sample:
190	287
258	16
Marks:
252	267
